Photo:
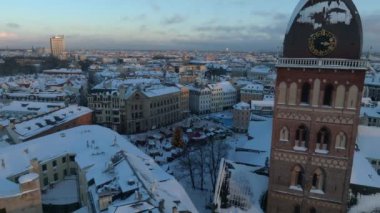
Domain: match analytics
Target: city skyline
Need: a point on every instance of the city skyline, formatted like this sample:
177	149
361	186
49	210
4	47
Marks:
240	25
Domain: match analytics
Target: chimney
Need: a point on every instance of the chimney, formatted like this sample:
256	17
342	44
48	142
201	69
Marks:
35	166
2	163
175	210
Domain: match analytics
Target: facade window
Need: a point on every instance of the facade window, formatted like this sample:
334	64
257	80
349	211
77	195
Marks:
305	95
301	138
297	177
318	180
284	134
323	141
46	181
54	163
72	158
55	176
44	167
341	141
64	159
64	172
328	95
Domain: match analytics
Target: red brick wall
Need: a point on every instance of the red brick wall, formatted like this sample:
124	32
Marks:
284	158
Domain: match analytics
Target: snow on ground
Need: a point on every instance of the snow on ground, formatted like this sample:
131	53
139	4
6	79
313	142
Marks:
62	193
367	203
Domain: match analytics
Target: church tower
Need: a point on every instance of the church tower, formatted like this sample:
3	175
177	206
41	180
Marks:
318	93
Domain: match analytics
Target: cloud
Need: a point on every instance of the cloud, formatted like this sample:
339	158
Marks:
175	19
220	29
155	7
7	35
143	28
124	18
13	25
141	17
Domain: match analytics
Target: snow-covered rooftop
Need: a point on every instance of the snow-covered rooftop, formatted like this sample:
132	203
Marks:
369	148
37	125
254	87
254	151
159	91
63	71
227	87
95	149
29	106
242	105
260	69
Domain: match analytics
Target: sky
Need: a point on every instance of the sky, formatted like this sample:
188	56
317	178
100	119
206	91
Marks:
240	25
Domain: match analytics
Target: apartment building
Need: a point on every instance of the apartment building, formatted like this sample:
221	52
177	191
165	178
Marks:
134	108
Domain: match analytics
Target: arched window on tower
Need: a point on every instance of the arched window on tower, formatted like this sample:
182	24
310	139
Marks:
292	97
323	141
340	96
318	181
328	95
305	94
340	141
302	136
297	178
284	134
353	97
282	93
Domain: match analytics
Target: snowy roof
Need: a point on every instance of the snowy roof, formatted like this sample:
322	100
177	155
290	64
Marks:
368	141
336	11
95	148
37	94
159	91
114	84
373	112
255	151
37	125
227	87
27	178
29	106
242	105
63	71
363	173
369	145
254	86
372	79
263	103
260	69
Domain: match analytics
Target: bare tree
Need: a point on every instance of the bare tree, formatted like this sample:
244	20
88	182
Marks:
200	162
187	163
216	150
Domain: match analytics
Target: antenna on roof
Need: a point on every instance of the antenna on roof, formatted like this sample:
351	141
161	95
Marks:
2	163
114	142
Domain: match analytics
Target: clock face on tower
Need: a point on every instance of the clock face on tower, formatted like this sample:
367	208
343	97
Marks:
322	43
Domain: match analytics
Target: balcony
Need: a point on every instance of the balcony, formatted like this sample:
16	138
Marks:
322	63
